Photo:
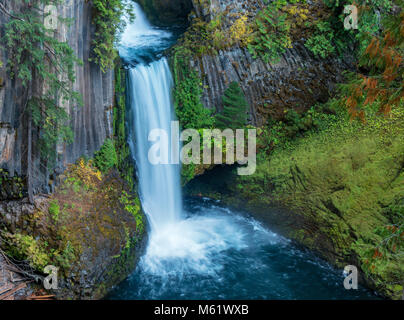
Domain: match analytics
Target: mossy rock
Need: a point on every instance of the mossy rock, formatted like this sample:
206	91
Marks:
334	192
92	228
11	188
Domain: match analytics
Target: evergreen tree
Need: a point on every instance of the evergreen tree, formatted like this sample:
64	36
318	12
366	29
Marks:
234	114
382	63
45	68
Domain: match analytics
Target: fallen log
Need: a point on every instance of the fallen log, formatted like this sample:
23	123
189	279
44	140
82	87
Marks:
12	291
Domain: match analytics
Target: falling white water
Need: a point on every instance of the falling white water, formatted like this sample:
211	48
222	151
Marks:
209	252
140	41
140	31
150	97
177	244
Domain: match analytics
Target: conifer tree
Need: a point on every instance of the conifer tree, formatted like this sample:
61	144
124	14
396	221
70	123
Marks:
383	61
45	67
234	114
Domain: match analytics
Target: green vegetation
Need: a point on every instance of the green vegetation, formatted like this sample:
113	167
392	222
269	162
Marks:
234	114
36	57
321	25
321	42
89	215
188	92
125	164
132	205
381	74
25	247
369	20
10	187
350	171
107	18
271	37
54	209
106	158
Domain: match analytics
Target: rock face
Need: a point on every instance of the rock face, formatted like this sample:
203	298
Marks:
92	229
336	196
91	123
298	81
167	12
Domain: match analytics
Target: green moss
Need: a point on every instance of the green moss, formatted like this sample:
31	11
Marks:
25	247
132	205
188	92
341	180
339	189
124	159
11	188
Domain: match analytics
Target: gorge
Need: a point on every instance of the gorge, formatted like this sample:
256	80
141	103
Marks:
206	251
328	188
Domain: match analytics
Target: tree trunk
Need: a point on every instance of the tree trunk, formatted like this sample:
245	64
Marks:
29	147
29	159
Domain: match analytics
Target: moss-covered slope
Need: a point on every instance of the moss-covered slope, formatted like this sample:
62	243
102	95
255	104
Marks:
92	228
338	192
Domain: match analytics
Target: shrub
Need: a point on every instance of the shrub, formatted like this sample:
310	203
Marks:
25	247
271	36
188	92
54	209
321	42
106	158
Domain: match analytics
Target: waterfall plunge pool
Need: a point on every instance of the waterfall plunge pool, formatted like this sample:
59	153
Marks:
202	250
215	253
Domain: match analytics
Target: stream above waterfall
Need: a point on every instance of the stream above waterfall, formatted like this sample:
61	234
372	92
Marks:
199	249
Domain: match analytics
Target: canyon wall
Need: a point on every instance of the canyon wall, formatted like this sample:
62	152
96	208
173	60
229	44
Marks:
91	122
297	81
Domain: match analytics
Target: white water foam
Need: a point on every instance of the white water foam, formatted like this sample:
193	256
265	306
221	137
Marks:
178	244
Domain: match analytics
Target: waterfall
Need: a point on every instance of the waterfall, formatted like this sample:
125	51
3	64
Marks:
178	243
150	97
141	43
204	251
149	91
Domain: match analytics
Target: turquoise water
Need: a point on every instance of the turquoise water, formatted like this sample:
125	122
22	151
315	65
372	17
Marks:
249	262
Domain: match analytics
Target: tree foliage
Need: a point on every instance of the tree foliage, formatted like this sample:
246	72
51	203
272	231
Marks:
45	66
321	42
107	17
382	81
271	36
234	114
188	93
106	158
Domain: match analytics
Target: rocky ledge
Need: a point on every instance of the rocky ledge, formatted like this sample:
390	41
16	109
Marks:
92	228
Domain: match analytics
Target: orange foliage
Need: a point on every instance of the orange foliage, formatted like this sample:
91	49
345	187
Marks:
385	83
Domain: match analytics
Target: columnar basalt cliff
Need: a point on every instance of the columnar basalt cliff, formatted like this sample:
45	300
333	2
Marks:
107	226
316	213
91	123
297	81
